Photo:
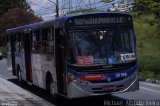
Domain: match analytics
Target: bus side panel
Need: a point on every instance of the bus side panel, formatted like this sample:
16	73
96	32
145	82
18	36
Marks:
41	64
20	60
48	65
37	72
43	61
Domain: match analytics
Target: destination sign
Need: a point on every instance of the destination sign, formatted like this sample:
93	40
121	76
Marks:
99	20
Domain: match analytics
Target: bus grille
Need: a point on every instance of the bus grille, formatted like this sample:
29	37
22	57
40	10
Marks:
105	81
100	90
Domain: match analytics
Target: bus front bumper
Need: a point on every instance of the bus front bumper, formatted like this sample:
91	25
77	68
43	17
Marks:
130	83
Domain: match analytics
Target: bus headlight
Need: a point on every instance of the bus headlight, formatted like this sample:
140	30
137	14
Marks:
81	82
71	76
77	80
84	82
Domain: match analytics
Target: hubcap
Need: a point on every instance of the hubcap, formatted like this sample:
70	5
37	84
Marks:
19	76
52	88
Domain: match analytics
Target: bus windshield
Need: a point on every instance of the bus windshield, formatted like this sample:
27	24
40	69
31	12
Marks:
101	47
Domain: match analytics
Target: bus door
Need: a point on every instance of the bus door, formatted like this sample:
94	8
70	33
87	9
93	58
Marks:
12	41
60	61
27	52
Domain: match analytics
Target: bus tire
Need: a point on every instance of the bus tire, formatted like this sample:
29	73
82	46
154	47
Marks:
19	75
52	87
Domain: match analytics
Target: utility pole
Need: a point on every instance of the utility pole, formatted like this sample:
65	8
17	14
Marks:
57	9
69	8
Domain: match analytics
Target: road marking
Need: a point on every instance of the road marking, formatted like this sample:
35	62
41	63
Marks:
151	84
150	90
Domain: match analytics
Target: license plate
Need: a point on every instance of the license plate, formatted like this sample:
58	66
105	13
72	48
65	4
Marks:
108	88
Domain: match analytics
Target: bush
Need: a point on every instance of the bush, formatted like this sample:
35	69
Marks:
148	46
4	51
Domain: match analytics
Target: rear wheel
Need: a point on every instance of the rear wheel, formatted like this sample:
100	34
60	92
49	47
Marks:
19	75
52	87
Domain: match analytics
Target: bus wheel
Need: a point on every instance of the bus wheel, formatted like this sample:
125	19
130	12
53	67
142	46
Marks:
52	87
19	75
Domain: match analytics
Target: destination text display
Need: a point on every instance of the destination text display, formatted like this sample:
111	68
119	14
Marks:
99	20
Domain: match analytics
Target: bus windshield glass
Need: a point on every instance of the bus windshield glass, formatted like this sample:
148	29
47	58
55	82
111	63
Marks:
101	47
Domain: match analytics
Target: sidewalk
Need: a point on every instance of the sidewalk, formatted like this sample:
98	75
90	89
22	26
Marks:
13	95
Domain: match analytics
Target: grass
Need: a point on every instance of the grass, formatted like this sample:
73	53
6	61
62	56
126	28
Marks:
145	74
148	46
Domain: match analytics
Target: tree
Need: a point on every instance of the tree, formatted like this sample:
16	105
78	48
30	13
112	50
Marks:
5	5
122	1
9	19
148	7
107	1
16	17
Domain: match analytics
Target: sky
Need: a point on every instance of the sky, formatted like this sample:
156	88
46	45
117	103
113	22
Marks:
46	8
43	8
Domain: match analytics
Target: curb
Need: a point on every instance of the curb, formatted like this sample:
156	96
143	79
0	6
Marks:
17	96
149	80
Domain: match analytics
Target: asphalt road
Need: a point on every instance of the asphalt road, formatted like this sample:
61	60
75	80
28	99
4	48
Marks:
147	92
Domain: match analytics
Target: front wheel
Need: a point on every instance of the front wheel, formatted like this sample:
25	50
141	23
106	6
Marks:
52	87
19	76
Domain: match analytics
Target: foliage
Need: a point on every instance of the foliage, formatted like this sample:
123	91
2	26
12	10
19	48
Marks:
122	1
16	17
3	51
148	7
5	5
14	13
106	1
148	46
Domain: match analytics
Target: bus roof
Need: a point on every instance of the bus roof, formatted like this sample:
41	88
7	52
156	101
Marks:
92	13
88	13
29	26
59	22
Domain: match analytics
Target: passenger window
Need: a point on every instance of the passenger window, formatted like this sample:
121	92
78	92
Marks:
36	47
43	40
50	46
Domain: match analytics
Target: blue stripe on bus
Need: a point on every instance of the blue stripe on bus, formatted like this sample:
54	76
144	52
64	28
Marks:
129	72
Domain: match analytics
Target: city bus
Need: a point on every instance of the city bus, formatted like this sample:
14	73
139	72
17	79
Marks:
76	55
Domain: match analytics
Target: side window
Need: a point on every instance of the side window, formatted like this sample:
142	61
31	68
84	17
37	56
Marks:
50	39
17	38
36	41
15	42
19	41
43	39
22	42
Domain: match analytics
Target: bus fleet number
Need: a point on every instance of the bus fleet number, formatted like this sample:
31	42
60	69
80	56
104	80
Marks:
118	75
